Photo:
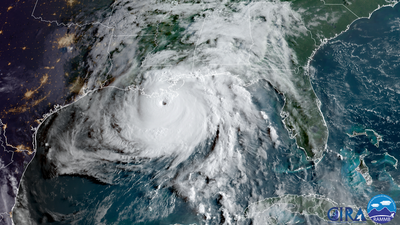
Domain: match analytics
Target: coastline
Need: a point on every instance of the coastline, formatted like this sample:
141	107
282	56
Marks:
306	71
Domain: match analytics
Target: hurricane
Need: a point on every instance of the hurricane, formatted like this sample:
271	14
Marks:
193	120
169	120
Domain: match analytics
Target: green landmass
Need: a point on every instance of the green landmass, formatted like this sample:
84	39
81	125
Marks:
356	169
323	20
373	136
364	171
305	205
298	204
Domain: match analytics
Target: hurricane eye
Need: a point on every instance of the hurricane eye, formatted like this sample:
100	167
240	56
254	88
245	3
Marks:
164	102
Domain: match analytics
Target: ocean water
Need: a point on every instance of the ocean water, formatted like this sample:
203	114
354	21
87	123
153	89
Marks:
357	78
147	190
185	148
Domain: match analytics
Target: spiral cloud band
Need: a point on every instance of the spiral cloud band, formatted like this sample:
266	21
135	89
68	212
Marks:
184	113
159	119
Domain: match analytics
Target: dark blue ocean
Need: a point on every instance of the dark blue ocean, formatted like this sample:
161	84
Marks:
357	78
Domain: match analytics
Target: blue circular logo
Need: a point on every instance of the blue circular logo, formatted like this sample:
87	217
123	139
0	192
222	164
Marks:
381	209
333	214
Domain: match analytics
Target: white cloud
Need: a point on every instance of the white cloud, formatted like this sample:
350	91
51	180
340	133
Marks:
375	205
386	202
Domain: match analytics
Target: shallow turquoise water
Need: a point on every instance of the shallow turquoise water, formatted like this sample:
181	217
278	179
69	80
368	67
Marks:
357	78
